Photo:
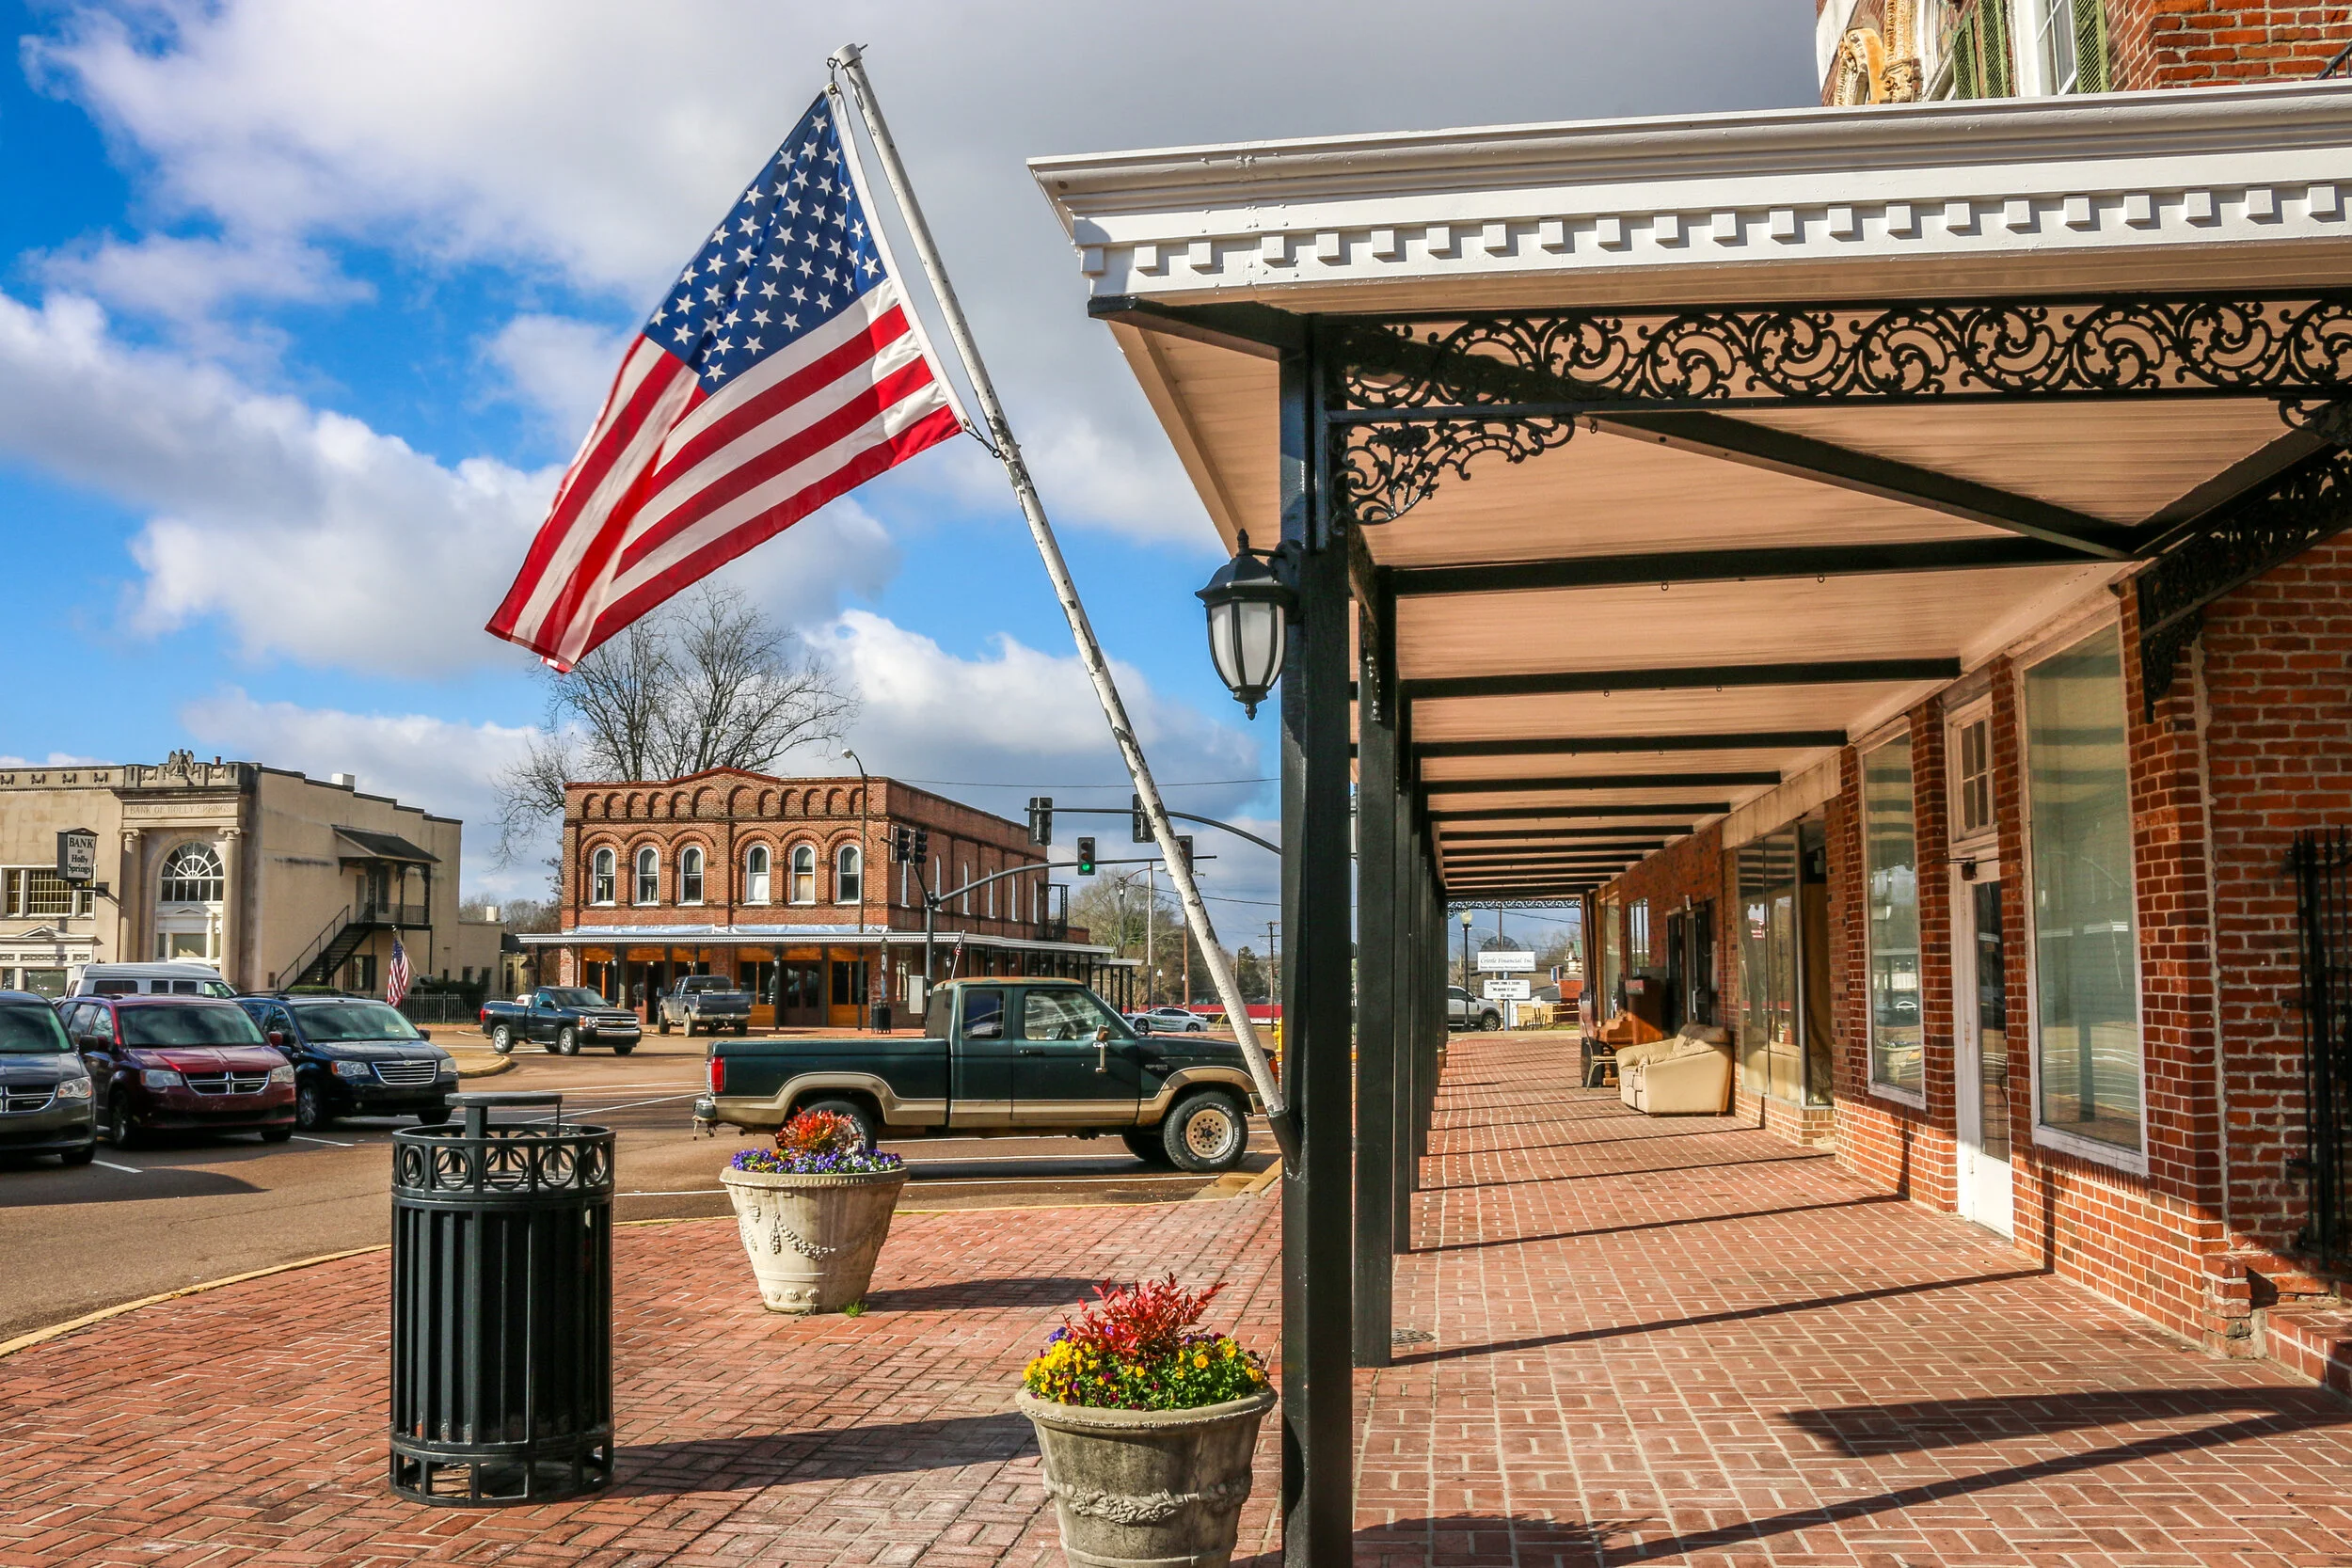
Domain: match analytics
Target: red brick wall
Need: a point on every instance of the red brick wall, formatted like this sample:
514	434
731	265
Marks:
1691	868
2277	678
2193	43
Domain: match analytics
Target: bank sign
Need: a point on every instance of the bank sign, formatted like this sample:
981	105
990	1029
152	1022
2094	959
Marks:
77	857
1501	963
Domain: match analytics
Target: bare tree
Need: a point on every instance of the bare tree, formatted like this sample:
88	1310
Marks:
709	681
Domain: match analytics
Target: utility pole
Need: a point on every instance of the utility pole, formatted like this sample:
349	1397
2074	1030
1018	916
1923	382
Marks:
1273	973
1151	937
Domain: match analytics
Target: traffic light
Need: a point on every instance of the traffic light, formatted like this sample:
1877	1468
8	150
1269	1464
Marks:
1085	857
1041	819
901	846
1142	827
1184	843
922	844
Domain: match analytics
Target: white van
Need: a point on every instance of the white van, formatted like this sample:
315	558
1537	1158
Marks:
176	979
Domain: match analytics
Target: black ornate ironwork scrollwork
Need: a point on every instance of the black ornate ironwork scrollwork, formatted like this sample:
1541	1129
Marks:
1385	470
2251	344
2330	422
2308	503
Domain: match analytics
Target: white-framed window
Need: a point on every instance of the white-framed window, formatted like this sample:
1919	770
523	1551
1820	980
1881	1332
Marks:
755	873
905	868
2050	38
2081	901
1891	889
690	875
602	867
1969	759
192	875
805	874
649	889
965	882
1637	933
849	875
39	891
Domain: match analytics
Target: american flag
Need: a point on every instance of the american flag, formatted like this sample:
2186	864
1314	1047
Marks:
396	975
785	368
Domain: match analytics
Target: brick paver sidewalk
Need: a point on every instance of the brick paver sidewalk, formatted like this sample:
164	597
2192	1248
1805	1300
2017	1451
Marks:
245	1426
1657	1342
1679	1340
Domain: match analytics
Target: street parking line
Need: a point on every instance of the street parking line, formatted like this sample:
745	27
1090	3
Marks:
623	1105
306	1138
1032	1180
135	1170
683	1192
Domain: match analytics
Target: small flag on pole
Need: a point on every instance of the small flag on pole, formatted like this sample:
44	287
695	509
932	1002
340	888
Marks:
396	974
783	369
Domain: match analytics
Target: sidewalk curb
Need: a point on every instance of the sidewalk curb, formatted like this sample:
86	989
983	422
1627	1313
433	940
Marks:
58	1331
483	1070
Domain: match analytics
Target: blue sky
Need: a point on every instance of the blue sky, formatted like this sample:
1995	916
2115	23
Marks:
303	307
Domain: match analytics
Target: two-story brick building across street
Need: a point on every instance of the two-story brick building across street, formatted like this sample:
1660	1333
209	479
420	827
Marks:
789	886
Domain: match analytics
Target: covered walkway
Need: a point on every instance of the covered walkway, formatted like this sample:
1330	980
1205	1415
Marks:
1684	1340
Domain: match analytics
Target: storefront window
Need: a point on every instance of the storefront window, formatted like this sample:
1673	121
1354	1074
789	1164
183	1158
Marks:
1771	1062
1612	959
1891	850
2086	931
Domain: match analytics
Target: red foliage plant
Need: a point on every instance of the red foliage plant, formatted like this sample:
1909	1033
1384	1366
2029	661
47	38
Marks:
1139	1323
814	1133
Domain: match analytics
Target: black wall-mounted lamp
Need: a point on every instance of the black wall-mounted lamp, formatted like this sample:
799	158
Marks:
1249	609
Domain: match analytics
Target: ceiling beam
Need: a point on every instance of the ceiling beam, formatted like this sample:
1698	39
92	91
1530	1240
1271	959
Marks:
1784	452
1733	565
1260	331
1596	745
1599	780
1683	678
1474	853
1538	813
1655	834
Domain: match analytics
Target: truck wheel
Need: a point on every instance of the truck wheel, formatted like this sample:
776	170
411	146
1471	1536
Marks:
567	1042
856	1112
502	1041
1145	1144
1206	1132
664	1025
1488	1023
624	1049
690	1027
744	1027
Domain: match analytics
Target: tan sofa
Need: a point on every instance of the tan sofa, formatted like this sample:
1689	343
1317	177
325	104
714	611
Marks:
1685	1074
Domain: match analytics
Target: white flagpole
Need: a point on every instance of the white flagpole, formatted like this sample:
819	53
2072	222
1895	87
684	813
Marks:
849	61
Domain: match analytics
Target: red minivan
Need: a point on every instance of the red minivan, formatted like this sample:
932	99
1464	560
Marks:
180	1064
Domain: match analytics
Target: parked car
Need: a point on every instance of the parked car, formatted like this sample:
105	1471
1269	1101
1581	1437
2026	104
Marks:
562	1019
354	1057
709	1002
156	979
1168	1020
45	1103
1465	1011
180	1064
1001	1057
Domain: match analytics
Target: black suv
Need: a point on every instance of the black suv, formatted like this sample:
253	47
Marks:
45	1105
356	1058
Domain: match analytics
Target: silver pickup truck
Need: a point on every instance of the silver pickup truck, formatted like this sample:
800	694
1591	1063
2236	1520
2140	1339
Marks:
706	1004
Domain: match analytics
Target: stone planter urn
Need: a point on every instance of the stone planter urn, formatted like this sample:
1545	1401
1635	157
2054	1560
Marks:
1148	1488
813	1238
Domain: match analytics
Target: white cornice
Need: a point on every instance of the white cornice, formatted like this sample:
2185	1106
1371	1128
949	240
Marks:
2120	173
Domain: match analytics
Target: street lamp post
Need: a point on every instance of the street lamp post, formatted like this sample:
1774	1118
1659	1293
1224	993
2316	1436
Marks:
1466	967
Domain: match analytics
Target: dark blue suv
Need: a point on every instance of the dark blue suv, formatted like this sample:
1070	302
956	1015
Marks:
354	1057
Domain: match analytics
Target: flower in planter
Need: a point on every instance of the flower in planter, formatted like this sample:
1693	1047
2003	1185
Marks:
1135	1348
817	1143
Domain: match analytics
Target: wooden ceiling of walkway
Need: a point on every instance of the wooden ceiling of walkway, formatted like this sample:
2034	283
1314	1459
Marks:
1613	641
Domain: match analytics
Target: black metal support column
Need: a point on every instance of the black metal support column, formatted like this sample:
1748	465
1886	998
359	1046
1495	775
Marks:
1318	1419
1380	909
1413	1000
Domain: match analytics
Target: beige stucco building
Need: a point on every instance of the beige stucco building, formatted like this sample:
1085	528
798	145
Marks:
274	877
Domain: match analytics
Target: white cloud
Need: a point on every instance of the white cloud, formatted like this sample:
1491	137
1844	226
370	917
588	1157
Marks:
55	759
444	766
311	536
559	367
592	140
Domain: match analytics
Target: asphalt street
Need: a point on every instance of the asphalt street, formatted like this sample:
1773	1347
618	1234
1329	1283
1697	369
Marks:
142	1222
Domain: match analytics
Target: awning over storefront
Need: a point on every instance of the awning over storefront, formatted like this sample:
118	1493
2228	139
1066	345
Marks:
1628	472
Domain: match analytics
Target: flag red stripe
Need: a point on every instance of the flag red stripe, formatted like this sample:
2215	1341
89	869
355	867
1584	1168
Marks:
928	431
767	462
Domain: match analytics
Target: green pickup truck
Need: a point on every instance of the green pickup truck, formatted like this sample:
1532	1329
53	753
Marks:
1006	1057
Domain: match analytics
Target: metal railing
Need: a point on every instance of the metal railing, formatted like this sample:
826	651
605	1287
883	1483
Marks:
406	916
2322	865
291	974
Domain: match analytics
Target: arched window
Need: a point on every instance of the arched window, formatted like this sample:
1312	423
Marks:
849	875
192	875
756	875
648	876
805	874
600	877
690	875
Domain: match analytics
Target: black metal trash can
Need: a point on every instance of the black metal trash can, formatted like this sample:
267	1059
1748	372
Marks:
501	1307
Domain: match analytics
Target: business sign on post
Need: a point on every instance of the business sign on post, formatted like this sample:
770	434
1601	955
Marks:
77	857
1501	962
1509	991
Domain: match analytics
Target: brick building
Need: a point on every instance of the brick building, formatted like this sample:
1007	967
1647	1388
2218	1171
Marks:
789	886
1907	51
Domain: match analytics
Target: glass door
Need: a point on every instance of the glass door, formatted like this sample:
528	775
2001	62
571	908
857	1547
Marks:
1980	994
